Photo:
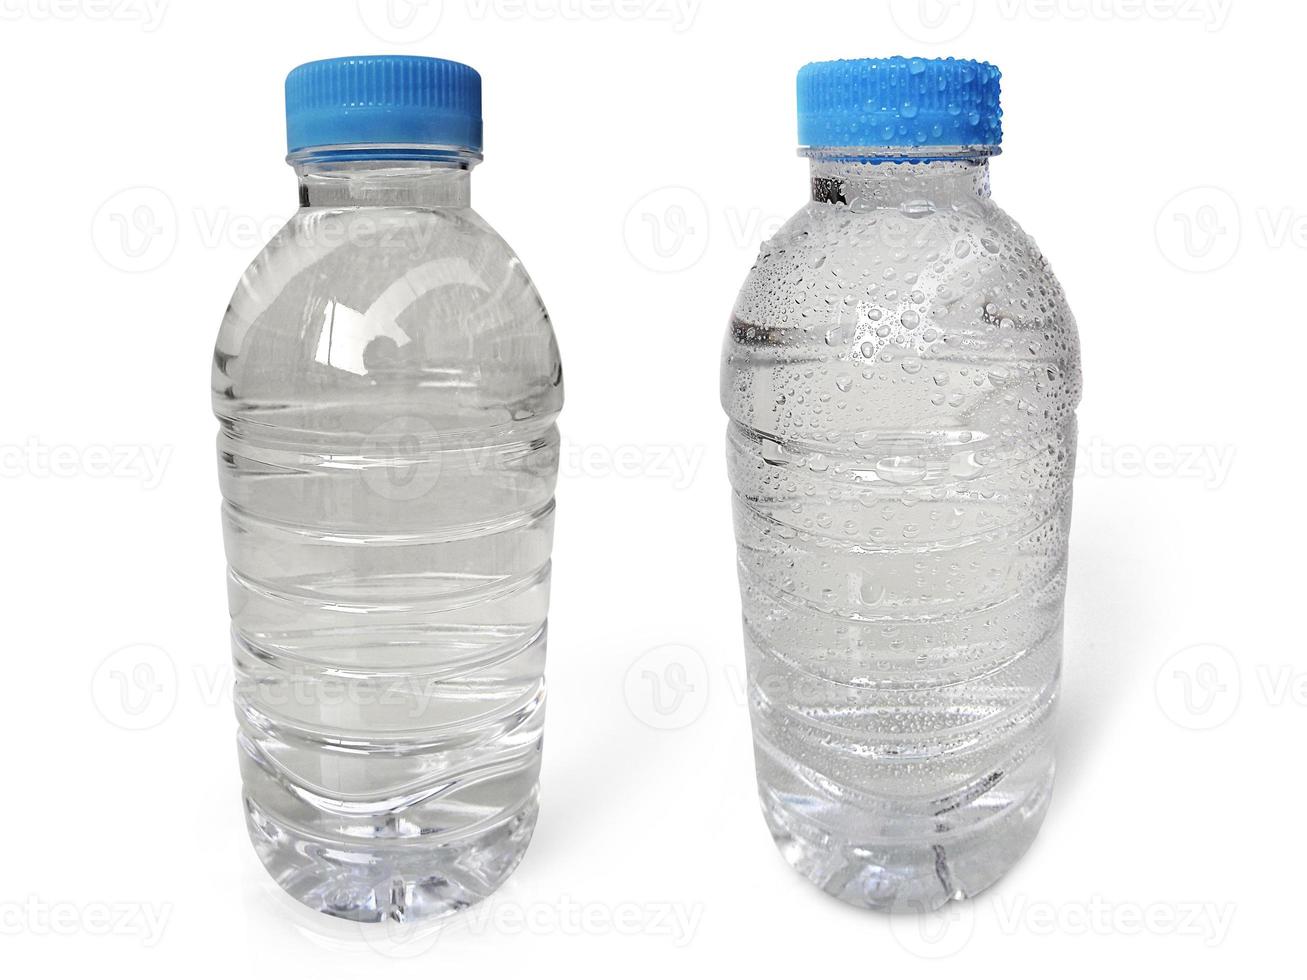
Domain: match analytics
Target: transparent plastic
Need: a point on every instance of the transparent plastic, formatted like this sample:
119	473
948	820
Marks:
901	375
387	385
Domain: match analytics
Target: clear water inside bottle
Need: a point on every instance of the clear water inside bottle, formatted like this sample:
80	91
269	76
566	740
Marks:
387	385
901	375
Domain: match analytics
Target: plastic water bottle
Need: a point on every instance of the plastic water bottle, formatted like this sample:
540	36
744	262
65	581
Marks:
387	383
901	376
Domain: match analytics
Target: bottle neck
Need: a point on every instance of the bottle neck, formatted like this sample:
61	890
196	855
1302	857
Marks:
864	179
438	181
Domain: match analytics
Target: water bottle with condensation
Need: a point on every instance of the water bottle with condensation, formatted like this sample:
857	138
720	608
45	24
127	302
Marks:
387	384
901	376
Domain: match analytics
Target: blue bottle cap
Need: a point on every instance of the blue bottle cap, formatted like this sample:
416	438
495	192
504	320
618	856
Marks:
383	99
893	102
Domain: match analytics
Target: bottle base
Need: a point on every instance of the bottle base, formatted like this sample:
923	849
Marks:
907	875
400	881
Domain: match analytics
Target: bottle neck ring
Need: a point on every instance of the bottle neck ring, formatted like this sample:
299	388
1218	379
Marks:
865	178
384	176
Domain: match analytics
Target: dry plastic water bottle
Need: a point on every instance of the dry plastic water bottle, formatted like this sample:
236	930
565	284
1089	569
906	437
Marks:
387	382
901	376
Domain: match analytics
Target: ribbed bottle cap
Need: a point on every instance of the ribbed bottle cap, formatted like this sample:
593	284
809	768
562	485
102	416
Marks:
899	102
383	99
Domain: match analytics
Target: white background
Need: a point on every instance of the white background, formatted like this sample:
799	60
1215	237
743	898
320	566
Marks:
1155	150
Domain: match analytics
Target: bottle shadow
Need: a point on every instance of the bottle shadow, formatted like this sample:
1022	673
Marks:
1110	610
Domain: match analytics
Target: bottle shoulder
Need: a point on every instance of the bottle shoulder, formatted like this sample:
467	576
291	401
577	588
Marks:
884	254
419	305
899	317
362	256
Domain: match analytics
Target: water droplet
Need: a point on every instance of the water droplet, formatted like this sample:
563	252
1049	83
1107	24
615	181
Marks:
901	470
964	465
774	454
840	334
871	593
